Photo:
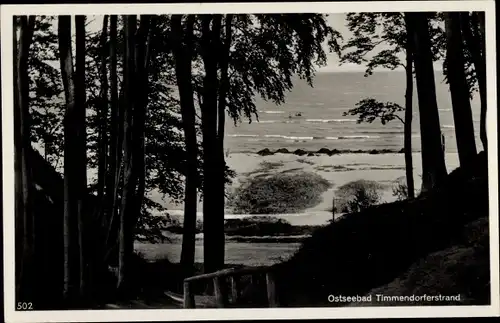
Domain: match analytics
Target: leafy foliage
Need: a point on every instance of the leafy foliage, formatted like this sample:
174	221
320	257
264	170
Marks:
357	195
370	109
46	92
268	51
400	189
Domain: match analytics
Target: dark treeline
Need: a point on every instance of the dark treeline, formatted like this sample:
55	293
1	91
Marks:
143	103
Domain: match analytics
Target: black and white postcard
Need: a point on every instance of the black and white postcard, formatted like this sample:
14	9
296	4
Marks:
249	160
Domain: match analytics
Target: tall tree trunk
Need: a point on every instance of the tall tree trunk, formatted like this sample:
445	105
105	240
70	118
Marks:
103	112
129	180
81	146
25	226
17	168
462	114
182	44
410	183
142	47
220	190
213	220
474	39
116	142
71	162
433	163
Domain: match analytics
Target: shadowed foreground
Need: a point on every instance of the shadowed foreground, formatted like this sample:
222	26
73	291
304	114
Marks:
446	228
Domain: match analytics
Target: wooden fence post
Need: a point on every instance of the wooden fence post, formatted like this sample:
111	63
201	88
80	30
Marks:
188	296
272	296
234	289
220	297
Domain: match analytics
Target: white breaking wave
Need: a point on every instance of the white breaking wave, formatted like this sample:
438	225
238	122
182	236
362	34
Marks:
243	135
330	120
289	137
272	111
308	137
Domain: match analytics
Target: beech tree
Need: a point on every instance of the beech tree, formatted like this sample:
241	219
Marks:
462	114
135	90
433	164
370	30
182	48
25	229
472	26
74	166
263	53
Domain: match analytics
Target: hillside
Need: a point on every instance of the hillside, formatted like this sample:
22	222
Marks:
401	248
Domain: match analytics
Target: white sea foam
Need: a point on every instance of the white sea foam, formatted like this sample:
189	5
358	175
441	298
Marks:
308	137
243	135
272	111
330	120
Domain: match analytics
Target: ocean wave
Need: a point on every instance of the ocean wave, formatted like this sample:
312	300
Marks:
289	137
309	137
330	120
243	135
272	111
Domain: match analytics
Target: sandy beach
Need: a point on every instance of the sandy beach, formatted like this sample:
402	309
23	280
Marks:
337	169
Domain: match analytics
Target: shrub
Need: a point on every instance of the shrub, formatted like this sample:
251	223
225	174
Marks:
278	193
400	189
356	196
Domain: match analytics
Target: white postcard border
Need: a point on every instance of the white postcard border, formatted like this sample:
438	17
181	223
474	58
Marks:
8	11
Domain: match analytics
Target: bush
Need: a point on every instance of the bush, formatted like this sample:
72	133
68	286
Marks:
356	196
400	189
278	193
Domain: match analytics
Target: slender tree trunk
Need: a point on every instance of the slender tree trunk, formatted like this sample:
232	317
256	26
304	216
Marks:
409	112
481	18
140	112
116	142
462	114
224	56
129	180
213	221
182	51
103	112
71	162
433	164
80	141
25	226
474	39
18	168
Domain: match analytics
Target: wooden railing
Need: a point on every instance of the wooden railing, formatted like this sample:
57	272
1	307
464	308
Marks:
232	276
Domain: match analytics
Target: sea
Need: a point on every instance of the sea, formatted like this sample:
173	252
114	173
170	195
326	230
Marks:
312	117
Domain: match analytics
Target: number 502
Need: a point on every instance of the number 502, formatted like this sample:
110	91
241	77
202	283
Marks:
24	306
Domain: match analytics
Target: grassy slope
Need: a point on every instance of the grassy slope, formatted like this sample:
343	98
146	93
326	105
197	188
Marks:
371	249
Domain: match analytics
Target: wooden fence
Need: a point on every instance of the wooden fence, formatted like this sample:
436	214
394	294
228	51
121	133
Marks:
232	276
